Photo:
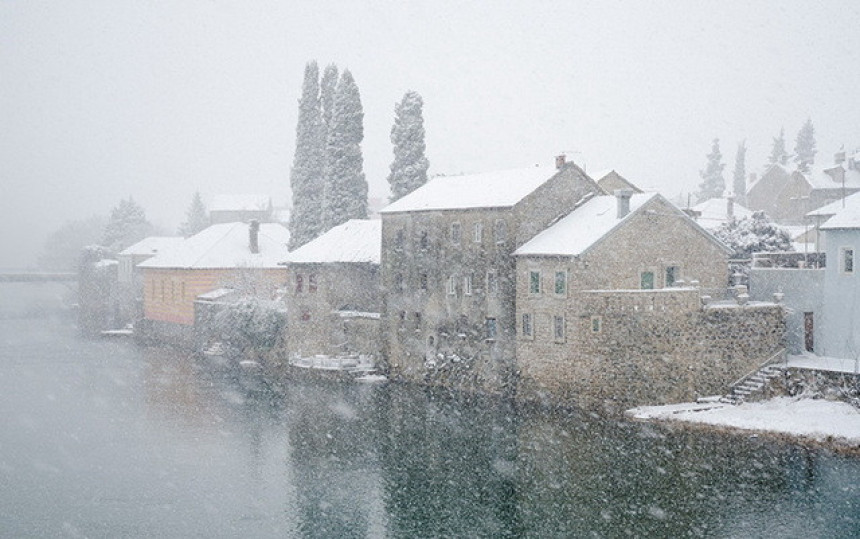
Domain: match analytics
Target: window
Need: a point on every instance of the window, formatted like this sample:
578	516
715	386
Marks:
467	285
306	314
492	329
398	240
417	320
492	282
561	282
500	231
452	285
312	282
425	240
847	260
300	283
163	299
673	273
398	282
646	280
527	325
595	324
455	233
534	282
172	291
423	280
479	232
183	290
558	328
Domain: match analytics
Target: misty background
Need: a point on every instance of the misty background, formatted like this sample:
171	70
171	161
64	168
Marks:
101	100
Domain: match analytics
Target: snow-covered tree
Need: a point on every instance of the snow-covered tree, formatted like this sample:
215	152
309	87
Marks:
804	147
62	249
345	184
778	155
713	184
739	175
753	234
127	225
327	89
409	168
306	176
196	218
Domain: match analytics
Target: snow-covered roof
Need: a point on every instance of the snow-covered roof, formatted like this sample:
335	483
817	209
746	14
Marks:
714	212
825	178
241	202
834	207
153	245
847	217
501	189
357	240
226	245
583	227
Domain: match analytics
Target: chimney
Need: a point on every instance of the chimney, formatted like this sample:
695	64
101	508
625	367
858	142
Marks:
622	197
730	207
560	160
839	157
254	233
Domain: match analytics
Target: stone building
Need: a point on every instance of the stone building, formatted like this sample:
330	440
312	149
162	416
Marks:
610	311
333	294
448	271
611	181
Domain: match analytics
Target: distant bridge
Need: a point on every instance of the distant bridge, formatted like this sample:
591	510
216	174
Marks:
37	277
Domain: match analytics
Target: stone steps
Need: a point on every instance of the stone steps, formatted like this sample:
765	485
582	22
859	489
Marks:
752	384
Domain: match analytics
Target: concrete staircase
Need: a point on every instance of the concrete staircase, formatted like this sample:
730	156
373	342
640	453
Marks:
752	384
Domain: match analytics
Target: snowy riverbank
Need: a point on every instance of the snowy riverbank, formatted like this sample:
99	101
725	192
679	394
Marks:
817	421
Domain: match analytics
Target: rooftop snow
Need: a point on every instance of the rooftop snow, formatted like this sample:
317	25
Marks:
575	233
844	217
714	212
500	189
152	245
226	245
834	207
244	202
357	240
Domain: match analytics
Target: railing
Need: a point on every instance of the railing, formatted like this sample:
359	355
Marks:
779	355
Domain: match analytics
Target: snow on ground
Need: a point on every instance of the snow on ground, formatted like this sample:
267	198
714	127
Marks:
822	363
795	416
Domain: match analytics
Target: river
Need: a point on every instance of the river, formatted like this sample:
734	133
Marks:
102	438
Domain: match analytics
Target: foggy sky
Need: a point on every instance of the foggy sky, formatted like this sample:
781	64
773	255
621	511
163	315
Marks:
100	100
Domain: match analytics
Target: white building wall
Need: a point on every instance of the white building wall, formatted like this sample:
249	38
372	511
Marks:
841	321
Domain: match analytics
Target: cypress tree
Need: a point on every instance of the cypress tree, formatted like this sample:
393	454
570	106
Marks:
739	175
306	176
345	184
196	218
713	184
409	168
804	147
327	89
778	154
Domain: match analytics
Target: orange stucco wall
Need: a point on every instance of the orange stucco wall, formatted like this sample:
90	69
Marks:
169	294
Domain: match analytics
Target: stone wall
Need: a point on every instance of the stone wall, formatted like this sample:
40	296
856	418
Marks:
628	348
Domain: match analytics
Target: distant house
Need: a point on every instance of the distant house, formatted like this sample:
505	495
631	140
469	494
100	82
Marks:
240	208
611	181
448	270
333	292
130	277
816	218
609	305
715	212
227	255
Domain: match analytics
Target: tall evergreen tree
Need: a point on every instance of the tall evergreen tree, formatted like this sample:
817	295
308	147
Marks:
713	184
306	177
196	218
127	225
739	175
327	89
346	187
778	155
409	168
804	147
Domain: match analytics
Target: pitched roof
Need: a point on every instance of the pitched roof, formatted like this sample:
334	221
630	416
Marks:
501	189
357	240
241	202
225	246
152	245
587	225
714	212
833	208
847	217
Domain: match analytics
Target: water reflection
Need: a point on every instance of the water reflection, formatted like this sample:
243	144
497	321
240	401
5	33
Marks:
127	441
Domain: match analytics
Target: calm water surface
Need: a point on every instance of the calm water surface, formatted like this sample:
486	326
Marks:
106	439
